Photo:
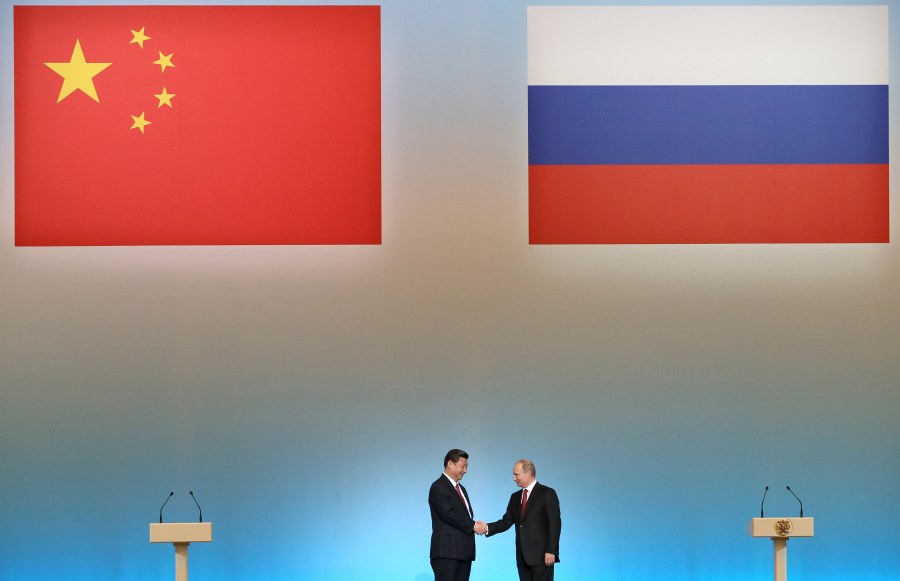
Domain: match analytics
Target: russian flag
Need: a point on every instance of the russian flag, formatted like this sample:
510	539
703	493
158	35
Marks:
708	124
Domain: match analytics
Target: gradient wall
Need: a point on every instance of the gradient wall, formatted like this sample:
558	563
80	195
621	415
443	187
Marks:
307	395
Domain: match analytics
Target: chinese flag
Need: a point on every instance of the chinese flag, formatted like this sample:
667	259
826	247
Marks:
178	125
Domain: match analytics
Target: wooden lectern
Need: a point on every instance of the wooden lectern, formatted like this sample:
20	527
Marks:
181	534
780	529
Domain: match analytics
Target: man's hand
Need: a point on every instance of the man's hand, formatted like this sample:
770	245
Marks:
549	559
480	528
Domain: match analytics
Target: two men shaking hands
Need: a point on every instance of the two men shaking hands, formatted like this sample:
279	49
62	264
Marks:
534	510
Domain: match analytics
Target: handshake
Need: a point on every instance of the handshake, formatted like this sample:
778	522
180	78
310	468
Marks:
480	528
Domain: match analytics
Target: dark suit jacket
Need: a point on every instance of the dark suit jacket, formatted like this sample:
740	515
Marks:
537	532
452	535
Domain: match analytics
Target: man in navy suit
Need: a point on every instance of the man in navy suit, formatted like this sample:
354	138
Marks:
535	512
453	527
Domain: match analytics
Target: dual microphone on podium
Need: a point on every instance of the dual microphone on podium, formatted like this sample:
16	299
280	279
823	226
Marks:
191	492
181	535
780	530
761	504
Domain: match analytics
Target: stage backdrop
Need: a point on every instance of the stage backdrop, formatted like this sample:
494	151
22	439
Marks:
307	394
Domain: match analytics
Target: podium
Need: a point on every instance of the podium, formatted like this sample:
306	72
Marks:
181	534
780	529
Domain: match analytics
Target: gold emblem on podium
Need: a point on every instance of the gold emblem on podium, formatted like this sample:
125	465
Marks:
783	527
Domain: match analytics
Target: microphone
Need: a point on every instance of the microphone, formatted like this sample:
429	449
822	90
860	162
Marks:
201	510
763	502
164	504
798	500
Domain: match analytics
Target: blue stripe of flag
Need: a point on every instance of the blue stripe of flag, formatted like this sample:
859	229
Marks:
734	124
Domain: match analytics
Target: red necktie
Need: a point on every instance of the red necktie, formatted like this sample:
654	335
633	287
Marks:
463	499
524	499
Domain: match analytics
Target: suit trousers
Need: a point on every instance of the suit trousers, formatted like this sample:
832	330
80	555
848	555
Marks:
536	573
451	569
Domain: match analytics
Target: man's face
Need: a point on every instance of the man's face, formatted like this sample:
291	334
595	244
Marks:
456	470
520	477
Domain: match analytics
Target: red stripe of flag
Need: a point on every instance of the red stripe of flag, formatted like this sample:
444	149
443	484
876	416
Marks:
685	204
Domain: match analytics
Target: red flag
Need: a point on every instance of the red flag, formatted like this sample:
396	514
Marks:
171	125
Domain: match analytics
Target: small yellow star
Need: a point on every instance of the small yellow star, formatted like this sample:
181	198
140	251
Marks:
165	98
139	37
139	122
78	74
164	61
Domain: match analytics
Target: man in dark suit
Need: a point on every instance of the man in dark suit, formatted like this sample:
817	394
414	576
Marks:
535	512
452	526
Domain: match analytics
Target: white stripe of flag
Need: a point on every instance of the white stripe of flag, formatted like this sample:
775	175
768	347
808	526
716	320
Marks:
708	45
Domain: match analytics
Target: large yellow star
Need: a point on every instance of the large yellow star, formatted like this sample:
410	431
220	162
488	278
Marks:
78	74
164	61
139	37
139	122
165	98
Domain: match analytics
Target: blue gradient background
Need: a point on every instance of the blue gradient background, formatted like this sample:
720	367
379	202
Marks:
308	394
